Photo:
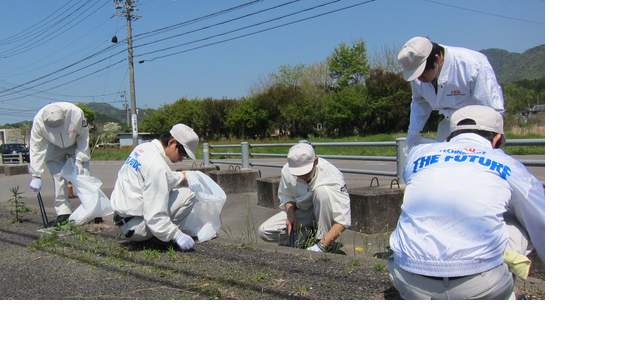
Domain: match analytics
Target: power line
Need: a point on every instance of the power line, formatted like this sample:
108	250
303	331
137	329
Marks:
188	22
249	34
226	22
22	89
476	11
42	36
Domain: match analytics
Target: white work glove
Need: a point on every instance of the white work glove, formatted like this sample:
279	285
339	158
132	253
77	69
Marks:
81	170
413	140
184	241
315	248
36	184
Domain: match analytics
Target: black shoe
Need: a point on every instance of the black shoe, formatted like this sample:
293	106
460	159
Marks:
59	219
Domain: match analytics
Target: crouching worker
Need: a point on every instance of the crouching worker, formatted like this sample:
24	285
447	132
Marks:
314	198
470	215
151	201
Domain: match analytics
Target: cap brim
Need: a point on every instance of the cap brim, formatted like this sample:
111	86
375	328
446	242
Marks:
415	73
302	170
191	154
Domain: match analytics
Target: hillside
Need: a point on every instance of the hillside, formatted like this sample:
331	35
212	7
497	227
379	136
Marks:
511	67
108	113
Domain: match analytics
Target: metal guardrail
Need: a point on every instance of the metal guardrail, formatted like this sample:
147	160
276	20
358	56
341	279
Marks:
399	144
12	158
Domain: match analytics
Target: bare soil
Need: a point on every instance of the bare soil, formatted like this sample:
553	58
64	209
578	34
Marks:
93	262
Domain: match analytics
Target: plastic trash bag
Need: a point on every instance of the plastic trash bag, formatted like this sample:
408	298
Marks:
94	203
204	220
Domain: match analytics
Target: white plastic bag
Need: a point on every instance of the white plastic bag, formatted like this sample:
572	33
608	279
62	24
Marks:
93	202
204	220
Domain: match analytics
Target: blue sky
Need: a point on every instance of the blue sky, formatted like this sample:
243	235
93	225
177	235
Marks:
61	50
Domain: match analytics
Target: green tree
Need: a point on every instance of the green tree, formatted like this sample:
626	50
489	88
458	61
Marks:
89	114
214	116
345	112
390	102
349	64
248	120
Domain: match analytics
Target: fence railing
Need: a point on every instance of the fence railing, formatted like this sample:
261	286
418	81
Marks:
246	156
12	158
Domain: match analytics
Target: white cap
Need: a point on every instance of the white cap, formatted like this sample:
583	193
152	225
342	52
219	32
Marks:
301	158
484	117
52	115
187	137
413	57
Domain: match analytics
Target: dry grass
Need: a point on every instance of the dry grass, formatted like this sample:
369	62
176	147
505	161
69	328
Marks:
535	129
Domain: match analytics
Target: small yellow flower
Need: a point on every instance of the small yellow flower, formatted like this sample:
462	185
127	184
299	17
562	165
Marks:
359	249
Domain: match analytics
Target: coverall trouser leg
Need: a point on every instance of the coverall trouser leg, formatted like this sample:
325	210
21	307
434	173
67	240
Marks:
181	202
319	217
496	283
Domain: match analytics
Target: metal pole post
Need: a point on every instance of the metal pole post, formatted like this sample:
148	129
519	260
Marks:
245	154
205	153
402	158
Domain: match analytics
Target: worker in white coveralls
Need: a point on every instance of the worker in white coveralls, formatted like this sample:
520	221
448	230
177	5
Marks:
59	132
151	201
470	215
445	78
313	196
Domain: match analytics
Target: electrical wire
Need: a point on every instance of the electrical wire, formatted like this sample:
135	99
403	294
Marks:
476	11
246	35
228	21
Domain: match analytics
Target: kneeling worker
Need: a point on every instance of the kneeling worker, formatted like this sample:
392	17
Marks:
457	237
149	199
312	194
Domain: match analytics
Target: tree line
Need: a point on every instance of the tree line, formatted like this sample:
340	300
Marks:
351	92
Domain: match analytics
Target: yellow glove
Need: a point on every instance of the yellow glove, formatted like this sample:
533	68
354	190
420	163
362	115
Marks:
518	264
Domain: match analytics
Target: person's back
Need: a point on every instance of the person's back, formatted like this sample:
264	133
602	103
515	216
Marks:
452	237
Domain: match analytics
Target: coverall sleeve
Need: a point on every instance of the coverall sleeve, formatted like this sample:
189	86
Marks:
157	186
420	111
340	206
528	203
82	144
285	192
37	151
487	90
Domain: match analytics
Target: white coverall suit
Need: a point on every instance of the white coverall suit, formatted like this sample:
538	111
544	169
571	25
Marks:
465	206
52	146
152	194
324	200
466	78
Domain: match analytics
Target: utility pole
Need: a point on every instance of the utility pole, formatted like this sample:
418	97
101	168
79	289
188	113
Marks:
127	8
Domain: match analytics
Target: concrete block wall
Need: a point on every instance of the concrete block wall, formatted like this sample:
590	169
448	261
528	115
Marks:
268	192
14	169
375	210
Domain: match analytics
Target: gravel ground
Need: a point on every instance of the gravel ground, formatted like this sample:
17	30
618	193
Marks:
94	263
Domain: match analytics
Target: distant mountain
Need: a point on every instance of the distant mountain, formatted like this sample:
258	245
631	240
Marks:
511	67
106	113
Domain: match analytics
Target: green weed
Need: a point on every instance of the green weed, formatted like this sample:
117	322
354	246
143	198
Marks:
17	204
